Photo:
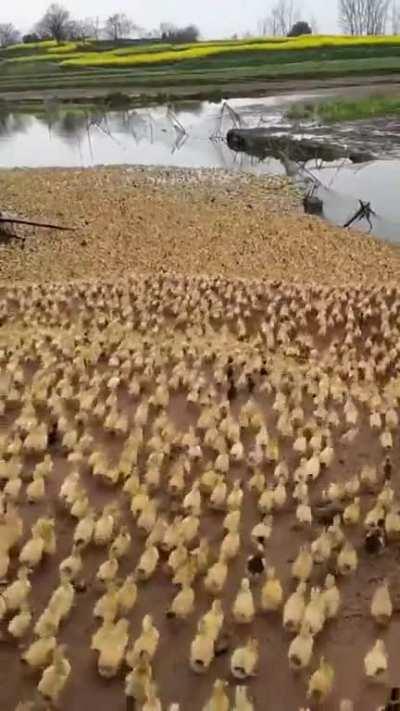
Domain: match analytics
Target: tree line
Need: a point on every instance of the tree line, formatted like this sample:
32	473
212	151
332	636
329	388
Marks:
355	17
58	24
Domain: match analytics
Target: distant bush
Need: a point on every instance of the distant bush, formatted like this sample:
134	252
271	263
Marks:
180	35
300	28
117	100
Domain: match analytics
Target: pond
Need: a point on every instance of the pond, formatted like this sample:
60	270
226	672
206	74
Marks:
192	134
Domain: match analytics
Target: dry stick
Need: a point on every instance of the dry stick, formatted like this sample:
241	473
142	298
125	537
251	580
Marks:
17	221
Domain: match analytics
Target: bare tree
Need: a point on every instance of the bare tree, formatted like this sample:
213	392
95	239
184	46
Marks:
118	26
395	18
282	17
54	23
8	34
364	17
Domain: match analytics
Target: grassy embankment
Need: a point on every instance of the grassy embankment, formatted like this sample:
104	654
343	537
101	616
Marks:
206	68
346	110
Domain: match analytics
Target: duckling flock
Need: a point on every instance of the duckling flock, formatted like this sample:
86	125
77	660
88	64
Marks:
199	500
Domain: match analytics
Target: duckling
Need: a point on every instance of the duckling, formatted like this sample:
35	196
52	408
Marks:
12	488
314	614
244	660
279	495
19	624
215	579
208	480
368	477
192	500
351	514
108	570
152	702
303	564
84	530
230	545
36	491
243	607
381	604
321	548
261	532
146	642
256	483
32	552
237	452
303	512
219	700
386	496
39	652
104	527
201	649
183	603
4	564
347	560
352	487
178	557
294	607
376	661
72	565
148	562
235	497
201	554
136	682
242	700
127	594
80	506
213	620
222	463
55	676
392	523
331	597
321	682
266	502
16	594
218	495
271	592
301	648
231	521
70	488
189	528
111	642
106	607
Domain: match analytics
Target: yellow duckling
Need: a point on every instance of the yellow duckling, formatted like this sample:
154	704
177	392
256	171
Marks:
381	604
106	607
374	516
294	607
303	512
136	682
392	523
215	579
219	700
321	548
221	464
84	530
45	527
331	597
243	607
213	619
183	603
39	652
237	452
314	614
301	649
36	490
80	506
12	488
19	624
178	557
208	480
218	495
69	489
55	676
386	496
189	528
352	487
146	642
336	534
351	514
192	500
244	660
242	700
368	477
148	562
32	552
230	546
121	544
201	649
279	495
376	661
235	497
111	642
261	532
16	594
108	570
148	516
303	564
4	563
271	592
72	565
127	594
347	560
152	702
201	554
257	483
104	527
266	502
231	521
321	682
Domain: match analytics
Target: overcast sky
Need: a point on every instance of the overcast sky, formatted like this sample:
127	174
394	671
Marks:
215	18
